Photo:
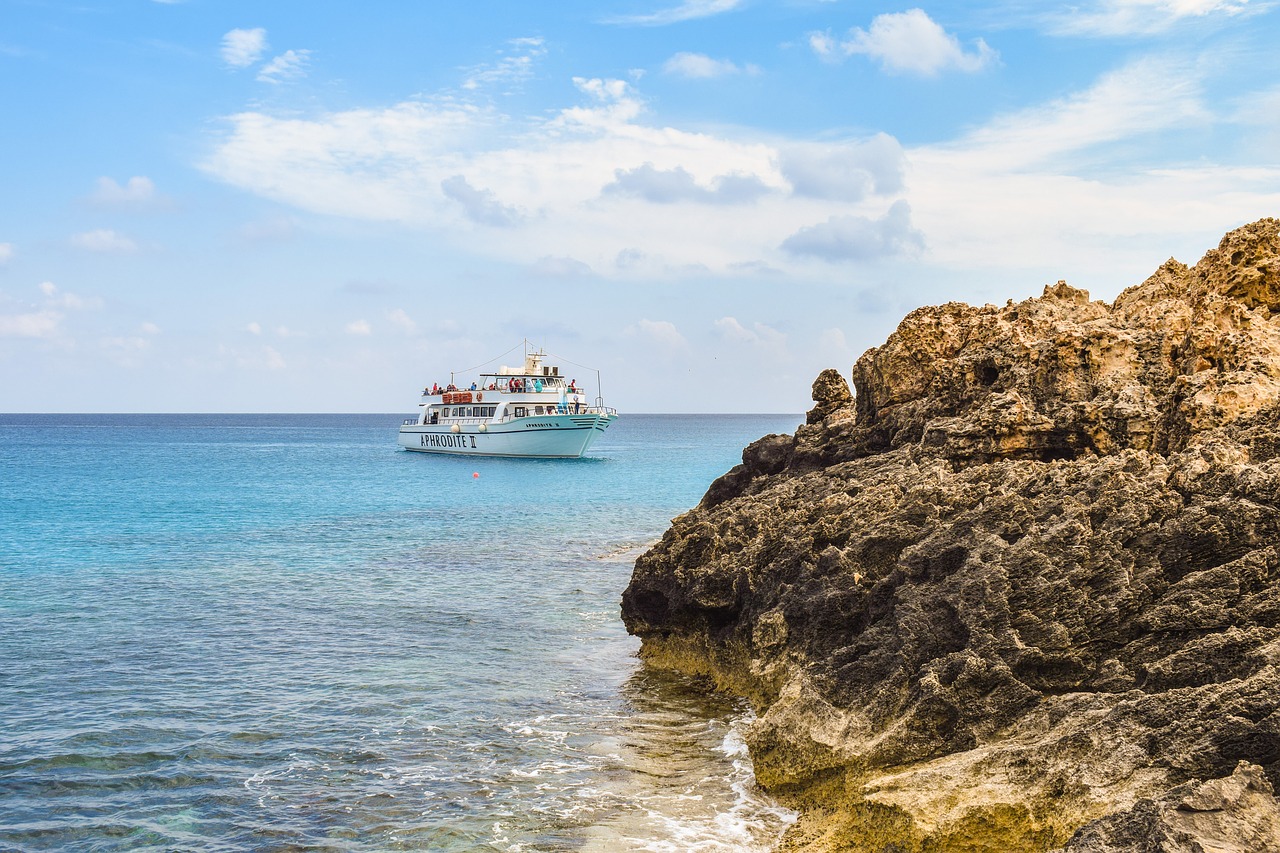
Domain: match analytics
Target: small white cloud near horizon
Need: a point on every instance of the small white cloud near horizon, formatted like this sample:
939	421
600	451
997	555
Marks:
289	65
662	332
6	253
699	66
759	335
138	190
242	48
57	299
33	324
149	329
254	328
401	320
105	241
907	42
359	327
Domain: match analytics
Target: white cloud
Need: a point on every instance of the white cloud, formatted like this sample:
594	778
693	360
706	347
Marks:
676	185
833	341
759	335
514	66
34	324
662	332
272	359
550	267
242	48
908	43
401	320
150	329
1147	96
44	321
138	190
603	191
1077	184
70	301
480	206
254	328
6	253
686	11
289	65
859	238
359	327
103	240
847	172
1142	17
699	66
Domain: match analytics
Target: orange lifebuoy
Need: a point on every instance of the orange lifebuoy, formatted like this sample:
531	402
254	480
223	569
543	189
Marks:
479	397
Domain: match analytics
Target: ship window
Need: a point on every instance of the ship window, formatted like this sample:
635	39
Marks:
519	411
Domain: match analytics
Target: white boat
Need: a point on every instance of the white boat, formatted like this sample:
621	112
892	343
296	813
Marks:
526	411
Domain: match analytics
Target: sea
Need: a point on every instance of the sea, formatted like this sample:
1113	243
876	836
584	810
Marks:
282	632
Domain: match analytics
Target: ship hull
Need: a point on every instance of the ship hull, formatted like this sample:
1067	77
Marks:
549	436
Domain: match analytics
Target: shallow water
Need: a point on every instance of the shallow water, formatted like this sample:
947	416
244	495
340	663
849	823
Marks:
280	632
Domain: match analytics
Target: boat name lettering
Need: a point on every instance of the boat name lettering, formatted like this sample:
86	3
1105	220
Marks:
446	439
538	425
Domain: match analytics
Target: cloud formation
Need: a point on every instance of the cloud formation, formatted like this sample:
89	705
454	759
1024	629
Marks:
699	66
289	65
686	11
859	238
480	206
1142	17
103	240
242	48
44	321
907	43
6	253
845	172
661	332
759	335
676	185
514	65
137	191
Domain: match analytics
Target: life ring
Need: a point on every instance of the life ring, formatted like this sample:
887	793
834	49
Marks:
479	398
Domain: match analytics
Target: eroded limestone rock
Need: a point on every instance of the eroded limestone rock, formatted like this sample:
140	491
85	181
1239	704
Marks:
1025	579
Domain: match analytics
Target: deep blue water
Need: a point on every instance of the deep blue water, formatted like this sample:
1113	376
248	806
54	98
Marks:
280	632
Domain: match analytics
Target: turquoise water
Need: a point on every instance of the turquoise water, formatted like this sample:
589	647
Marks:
279	632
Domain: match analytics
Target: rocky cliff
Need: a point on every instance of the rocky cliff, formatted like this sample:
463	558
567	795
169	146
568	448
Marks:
1022	590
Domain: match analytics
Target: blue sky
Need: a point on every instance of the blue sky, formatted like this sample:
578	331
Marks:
285	207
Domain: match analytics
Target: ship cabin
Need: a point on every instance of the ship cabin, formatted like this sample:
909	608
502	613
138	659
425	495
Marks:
531	390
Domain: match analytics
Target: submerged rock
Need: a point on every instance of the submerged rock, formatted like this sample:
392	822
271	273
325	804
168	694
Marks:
1023	587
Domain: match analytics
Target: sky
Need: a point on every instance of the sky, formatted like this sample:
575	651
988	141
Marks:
286	207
